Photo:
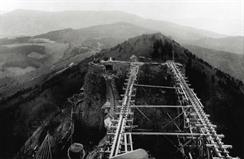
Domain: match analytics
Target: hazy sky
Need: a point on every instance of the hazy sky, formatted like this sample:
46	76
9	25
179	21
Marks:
222	16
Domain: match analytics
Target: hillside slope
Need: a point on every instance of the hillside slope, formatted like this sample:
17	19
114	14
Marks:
221	94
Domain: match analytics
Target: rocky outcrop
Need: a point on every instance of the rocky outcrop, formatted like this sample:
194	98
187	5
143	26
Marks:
94	97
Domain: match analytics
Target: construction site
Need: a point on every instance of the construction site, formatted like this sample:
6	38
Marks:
150	111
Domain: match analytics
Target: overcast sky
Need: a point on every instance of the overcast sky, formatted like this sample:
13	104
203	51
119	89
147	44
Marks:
222	16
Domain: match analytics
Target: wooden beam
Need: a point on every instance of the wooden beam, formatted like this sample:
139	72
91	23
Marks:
167	133
154	86
158	106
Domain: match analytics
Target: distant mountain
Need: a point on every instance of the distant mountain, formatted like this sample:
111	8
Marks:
234	44
230	63
108	35
28	22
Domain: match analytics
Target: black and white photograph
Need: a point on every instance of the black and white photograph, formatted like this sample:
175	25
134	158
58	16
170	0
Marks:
121	79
